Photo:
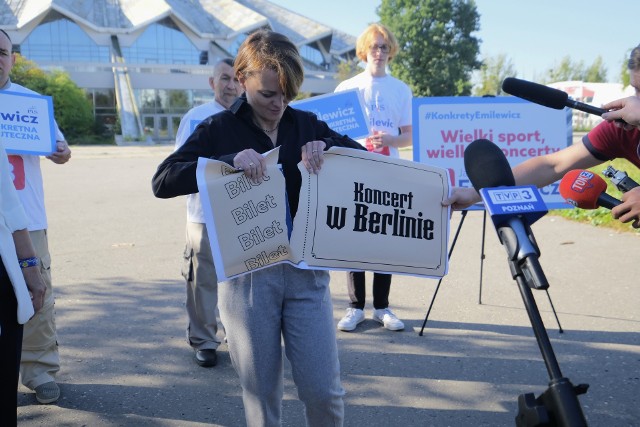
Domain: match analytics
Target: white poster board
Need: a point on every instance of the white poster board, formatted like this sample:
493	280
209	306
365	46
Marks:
351	216
444	126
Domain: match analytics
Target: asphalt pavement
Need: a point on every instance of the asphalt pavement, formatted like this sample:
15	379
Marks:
116	258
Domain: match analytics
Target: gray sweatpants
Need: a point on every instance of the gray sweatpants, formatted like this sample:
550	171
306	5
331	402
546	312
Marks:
202	289
275	304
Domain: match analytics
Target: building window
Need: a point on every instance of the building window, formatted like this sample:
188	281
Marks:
104	98
312	55
179	101
148	100
162	43
58	39
170	101
202	97
104	108
235	46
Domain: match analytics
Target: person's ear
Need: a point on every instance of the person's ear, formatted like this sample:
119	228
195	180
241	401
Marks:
212	83
242	80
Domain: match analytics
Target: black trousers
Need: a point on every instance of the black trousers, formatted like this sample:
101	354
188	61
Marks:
357	293
10	350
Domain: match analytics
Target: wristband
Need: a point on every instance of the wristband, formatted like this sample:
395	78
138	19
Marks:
29	262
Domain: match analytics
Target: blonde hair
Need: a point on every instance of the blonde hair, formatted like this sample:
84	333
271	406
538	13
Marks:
266	49
366	39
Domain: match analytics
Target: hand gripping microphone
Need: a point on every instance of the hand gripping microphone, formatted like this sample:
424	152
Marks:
547	96
513	209
586	190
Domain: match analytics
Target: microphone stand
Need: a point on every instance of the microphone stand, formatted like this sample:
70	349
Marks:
558	405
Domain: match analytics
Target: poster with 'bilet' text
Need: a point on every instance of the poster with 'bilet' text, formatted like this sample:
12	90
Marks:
362	211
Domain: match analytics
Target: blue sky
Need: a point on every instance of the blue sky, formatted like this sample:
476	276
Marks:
534	34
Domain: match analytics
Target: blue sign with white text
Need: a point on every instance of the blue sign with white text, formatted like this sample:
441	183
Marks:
342	111
27	125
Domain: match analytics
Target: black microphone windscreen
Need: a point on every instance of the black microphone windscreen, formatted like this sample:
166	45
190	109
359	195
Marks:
534	92
486	165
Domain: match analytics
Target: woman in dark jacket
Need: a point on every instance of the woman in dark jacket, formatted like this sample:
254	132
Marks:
280	302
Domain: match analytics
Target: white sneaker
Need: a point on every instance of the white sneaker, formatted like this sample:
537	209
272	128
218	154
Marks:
388	319
353	318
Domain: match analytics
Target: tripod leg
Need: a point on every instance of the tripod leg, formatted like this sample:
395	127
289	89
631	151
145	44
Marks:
429	310
453	244
484	228
554	312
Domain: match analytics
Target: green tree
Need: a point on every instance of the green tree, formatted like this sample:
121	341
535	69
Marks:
565	70
347	69
492	72
27	74
73	111
437	51
179	101
625	78
570	70
596	73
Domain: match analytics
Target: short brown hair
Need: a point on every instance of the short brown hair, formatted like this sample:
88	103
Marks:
634	59
266	49
365	40
216	67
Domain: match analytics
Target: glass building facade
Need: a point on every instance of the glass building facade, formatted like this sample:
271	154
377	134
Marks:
162	109
149	69
162	43
58	39
104	106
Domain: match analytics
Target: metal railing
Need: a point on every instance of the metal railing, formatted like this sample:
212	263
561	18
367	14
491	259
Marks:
93	67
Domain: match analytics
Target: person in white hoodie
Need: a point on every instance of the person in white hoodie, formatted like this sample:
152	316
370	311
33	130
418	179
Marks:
22	289
387	102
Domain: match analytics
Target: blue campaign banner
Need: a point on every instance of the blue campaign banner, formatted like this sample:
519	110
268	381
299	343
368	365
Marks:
27	125
342	111
444	126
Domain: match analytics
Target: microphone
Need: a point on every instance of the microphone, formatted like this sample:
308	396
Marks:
547	96
487	166
488	169
586	190
512	208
